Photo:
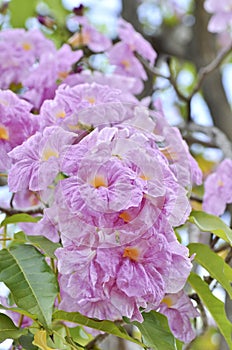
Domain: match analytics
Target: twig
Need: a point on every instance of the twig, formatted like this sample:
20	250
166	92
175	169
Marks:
222	247
195	198
217	137
204	71
11	211
202	74
195	297
229	256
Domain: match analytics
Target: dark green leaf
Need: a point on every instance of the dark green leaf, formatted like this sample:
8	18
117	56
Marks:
210	223
214	305
26	342
105	326
8	329
32	283
214	264
155	331
14	219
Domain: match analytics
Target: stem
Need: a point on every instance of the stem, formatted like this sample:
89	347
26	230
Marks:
20	320
202	311
4	237
12	211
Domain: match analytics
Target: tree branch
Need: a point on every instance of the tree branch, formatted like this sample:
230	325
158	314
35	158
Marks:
12	211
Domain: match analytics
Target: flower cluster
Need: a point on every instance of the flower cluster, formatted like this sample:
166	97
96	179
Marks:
112	179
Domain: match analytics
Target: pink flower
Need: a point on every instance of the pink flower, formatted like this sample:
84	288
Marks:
222	15
46	227
132	274
179	309
14	116
19	51
218	189
136	41
37	160
125	277
89	36
83	106
41	81
117	176
175	149
125	62
128	85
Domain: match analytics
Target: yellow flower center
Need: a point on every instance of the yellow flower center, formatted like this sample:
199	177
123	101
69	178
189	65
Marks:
91	100
126	63
125	216
26	46
132	253
48	153
144	177
62	75
99	181
60	114
4	135
168	301
220	183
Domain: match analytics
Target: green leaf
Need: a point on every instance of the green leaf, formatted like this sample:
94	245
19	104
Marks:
105	326
155	331
19	311
14	219
8	330
26	342
20	11
214	305
214	264
32	283
40	242
210	223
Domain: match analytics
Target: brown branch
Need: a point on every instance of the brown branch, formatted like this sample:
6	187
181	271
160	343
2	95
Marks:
217	137
202	74
11	211
204	71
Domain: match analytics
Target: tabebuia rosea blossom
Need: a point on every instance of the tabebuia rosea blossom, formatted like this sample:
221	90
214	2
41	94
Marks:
114	180
179	309
218	189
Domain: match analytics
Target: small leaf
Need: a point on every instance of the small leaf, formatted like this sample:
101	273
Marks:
32	283
210	223
8	330
155	331
105	326
214	264
214	305
26	342
14	219
40	242
40	340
